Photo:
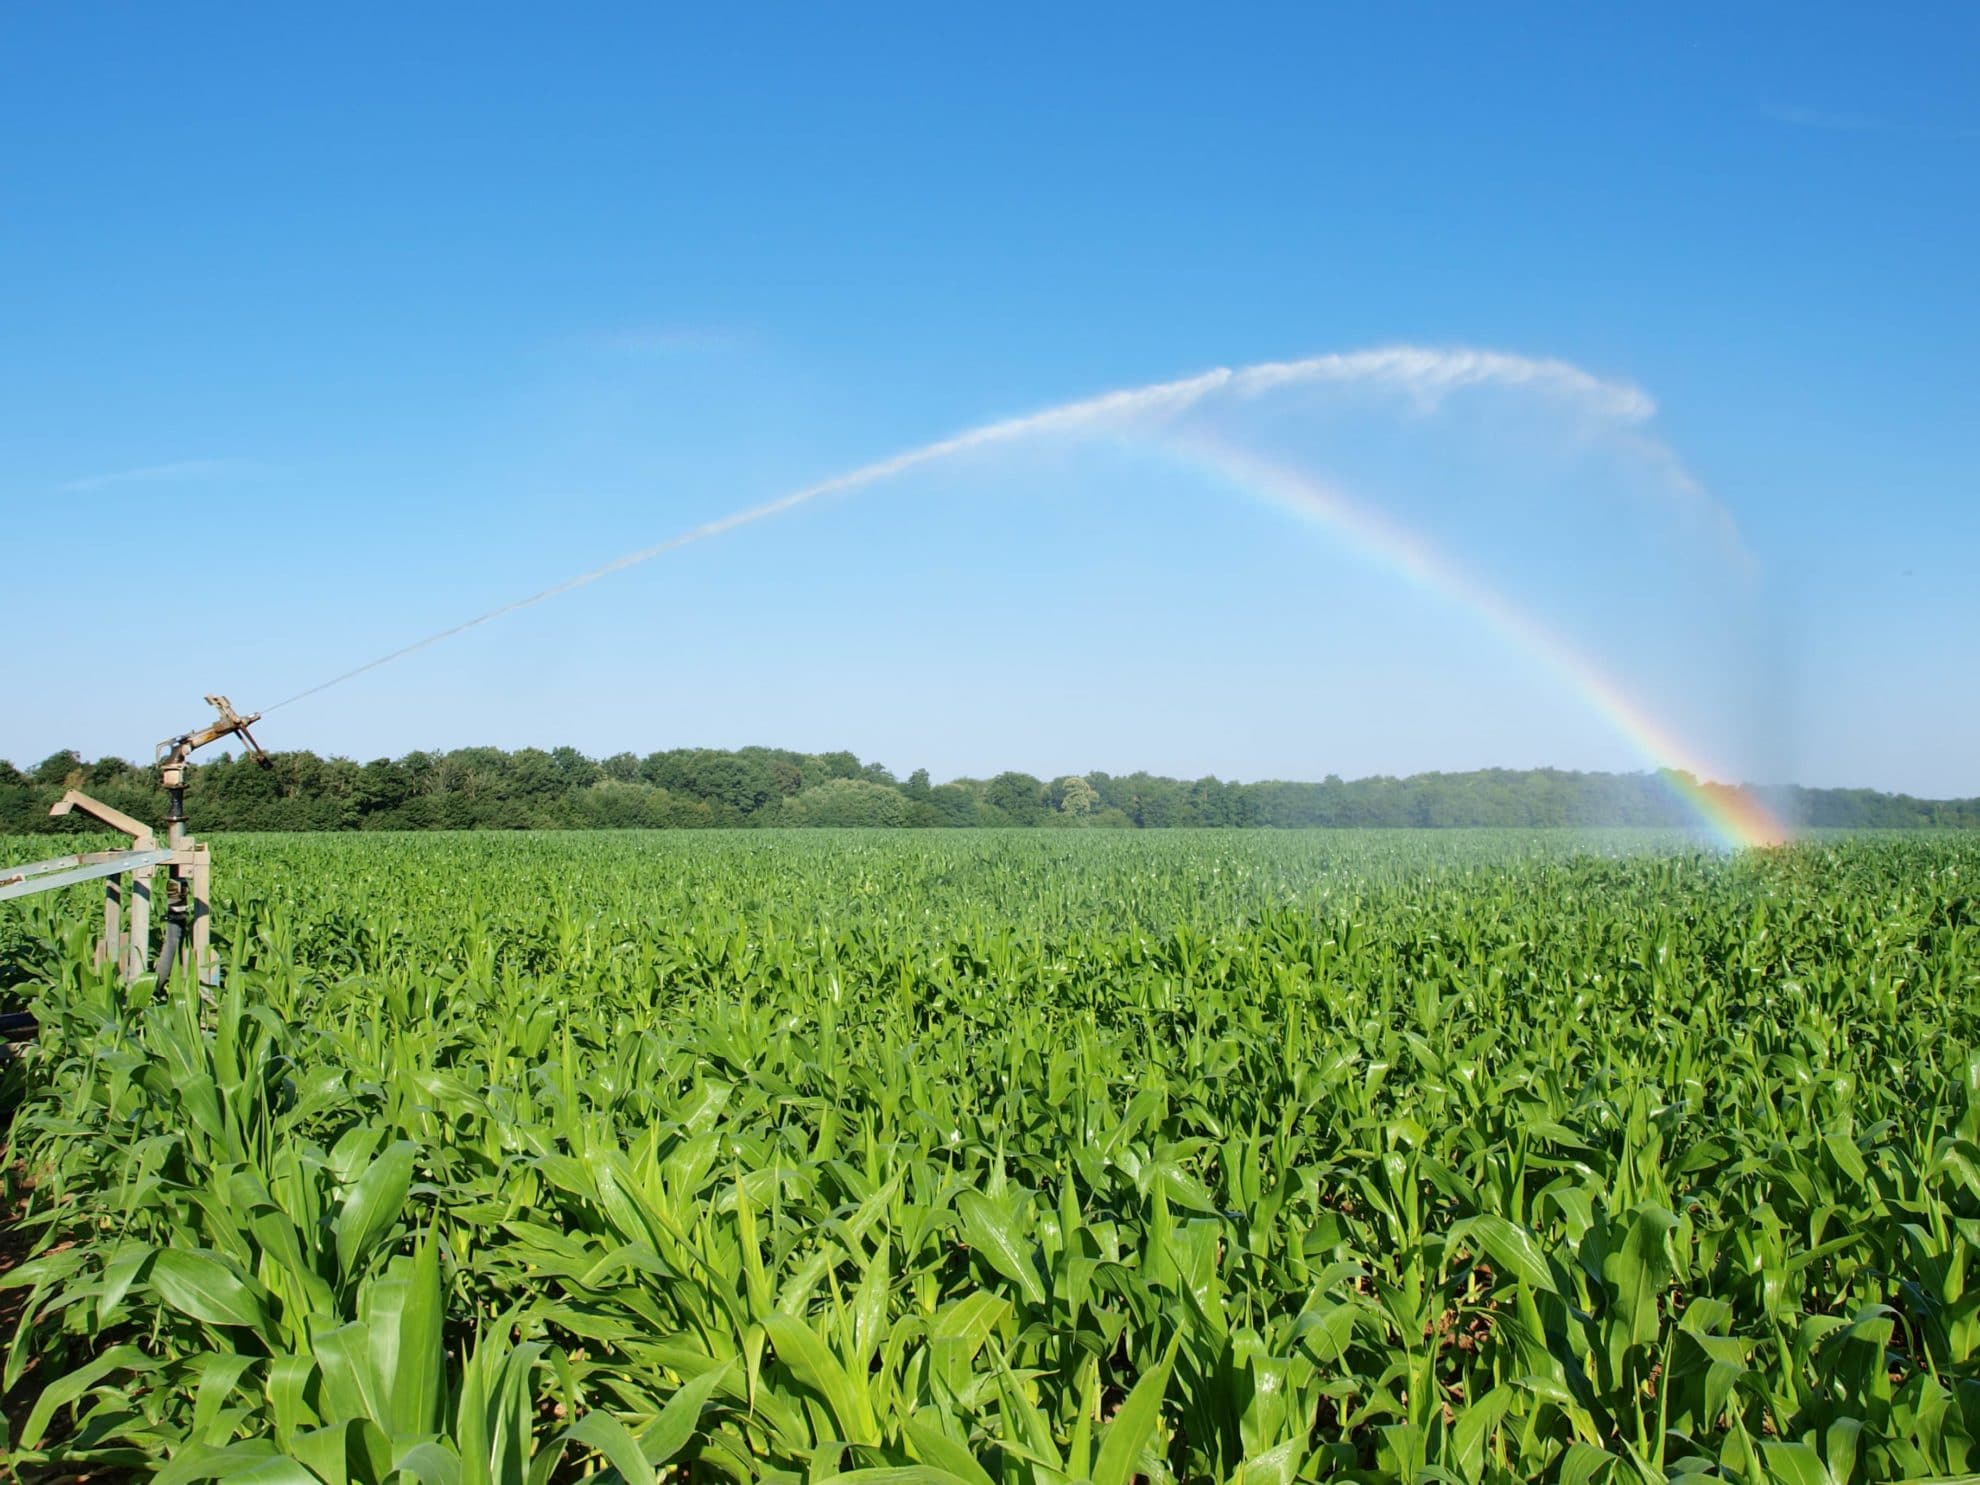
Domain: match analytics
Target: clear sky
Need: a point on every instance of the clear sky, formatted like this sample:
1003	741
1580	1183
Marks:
324	328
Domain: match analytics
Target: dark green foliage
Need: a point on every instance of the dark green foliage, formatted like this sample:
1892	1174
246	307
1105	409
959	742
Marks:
488	789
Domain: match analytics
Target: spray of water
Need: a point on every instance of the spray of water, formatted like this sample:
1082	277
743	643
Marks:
1425	374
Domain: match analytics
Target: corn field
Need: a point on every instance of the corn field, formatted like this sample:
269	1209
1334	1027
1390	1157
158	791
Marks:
1012	1159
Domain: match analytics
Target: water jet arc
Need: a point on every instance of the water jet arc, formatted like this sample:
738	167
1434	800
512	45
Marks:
1427	374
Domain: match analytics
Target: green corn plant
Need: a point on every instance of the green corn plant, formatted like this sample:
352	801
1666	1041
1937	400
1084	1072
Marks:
1023	1159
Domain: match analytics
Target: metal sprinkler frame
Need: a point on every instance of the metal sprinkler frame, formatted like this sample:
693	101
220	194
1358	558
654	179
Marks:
187	863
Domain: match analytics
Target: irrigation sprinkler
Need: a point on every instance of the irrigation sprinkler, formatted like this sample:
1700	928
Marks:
129	874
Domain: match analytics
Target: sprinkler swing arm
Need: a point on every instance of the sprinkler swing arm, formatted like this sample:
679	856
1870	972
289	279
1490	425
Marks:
126	941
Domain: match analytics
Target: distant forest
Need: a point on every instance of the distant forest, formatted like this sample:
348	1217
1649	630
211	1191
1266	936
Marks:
698	788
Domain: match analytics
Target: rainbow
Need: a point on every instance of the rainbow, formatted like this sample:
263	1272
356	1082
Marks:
1731	813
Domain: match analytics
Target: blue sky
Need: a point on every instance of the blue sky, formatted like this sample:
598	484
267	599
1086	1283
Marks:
321	330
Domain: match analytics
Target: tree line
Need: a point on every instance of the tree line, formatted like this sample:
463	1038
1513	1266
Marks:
695	788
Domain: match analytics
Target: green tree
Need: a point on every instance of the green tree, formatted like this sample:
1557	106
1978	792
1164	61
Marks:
1018	797
732	786
848	802
954	807
832	766
573	768
1077	797
58	768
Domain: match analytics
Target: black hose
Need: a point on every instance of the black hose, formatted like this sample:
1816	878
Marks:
168	952
17	1026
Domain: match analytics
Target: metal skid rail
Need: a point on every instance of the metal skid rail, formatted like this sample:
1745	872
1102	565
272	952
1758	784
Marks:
66	871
